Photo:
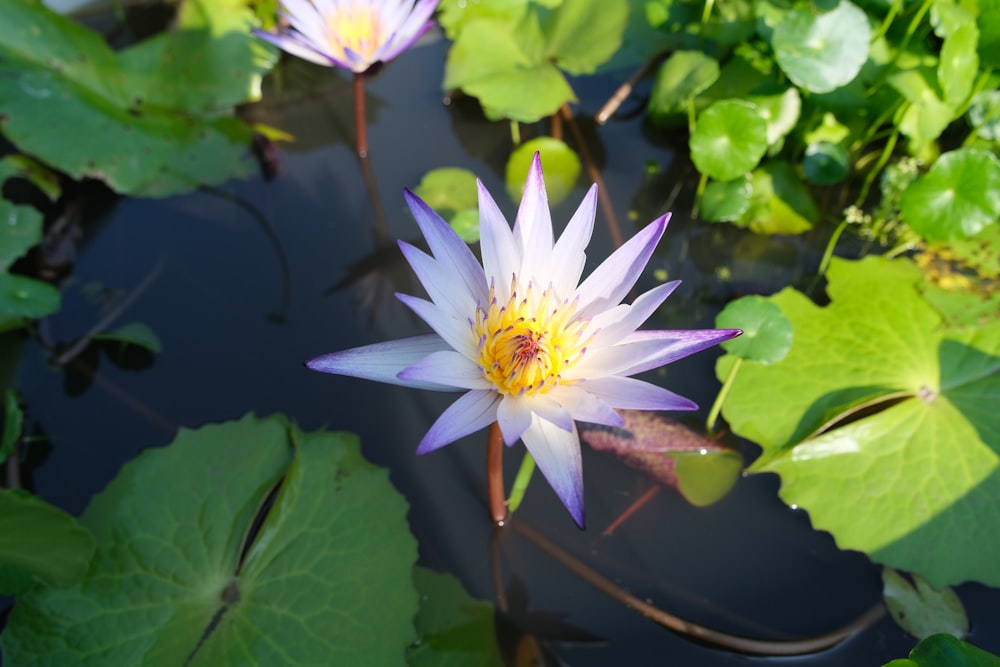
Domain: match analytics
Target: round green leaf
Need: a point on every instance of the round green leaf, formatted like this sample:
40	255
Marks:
559	162
921	609
958	196
41	542
326	578
452	192
984	114
580	35
945	651
20	229
21	296
822	51
729	140
767	333
825	163
725	201
682	76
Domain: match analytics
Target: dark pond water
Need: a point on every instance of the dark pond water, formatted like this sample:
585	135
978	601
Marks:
238	313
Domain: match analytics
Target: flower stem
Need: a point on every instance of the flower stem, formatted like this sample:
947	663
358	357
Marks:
521	482
494	475
713	414
360	126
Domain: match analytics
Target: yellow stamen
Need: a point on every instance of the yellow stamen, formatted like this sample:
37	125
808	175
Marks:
527	343
357	28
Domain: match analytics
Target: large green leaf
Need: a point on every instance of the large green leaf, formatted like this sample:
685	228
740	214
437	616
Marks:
946	651
326	579
913	481
729	139
39	543
155	119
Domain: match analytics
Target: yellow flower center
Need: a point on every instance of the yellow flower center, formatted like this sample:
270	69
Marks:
526	343
357	27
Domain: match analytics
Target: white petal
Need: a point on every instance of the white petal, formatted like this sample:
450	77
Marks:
568	253
632	394
415	25
586	407
557	453
456	331
514	417
623	320
439	281
501	259
468	414
533	227
447	367
382	362
448	247
612	280
645	350
297	46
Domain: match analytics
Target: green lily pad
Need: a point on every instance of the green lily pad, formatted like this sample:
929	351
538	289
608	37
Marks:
825	163
822	51
958	197
453	628
23	298
325	580
946	651
514	62
155	119
39	544
767	333
779	201
681	77
134	333
729	139
912	480
452	192
921	609
562	168
725	201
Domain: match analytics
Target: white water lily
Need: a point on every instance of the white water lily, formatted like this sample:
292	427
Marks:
354	34
534	349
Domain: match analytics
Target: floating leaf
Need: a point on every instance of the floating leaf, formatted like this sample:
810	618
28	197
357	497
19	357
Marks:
729	140
928	115
562	168
39	544
13	424
702	470
453	628
822	51
984	114
22	297
958	196
155	119
452	192
781	113
134	333
767	333
725	201
325	580
922	610
779	202
681	77
923	444
825	163
946	651
959	63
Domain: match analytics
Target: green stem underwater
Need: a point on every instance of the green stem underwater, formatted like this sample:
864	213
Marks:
720	398
521	482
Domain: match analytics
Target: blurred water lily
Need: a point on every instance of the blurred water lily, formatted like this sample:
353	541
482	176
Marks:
354	34
533	347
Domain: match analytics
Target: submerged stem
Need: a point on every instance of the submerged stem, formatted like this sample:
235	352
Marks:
494	475
360	124
693	630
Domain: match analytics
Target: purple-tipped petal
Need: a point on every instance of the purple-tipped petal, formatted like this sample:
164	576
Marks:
612	280
569	251
448	247
627	393
615	324
645	350
501	258
471	412
586	407
382	362
439	281
297	46
557	453
533	225
410	30
448	368
456	332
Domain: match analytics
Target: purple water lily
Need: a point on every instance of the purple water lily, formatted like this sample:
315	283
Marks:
354	34
533	348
